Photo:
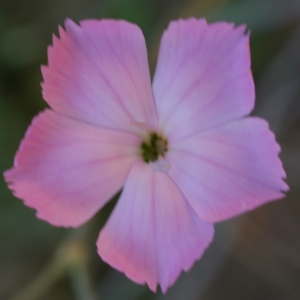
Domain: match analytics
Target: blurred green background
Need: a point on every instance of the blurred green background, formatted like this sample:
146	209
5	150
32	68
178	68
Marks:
255	256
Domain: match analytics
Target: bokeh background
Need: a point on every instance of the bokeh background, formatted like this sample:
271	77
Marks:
254	256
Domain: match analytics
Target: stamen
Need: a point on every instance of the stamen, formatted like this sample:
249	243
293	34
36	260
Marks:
153	147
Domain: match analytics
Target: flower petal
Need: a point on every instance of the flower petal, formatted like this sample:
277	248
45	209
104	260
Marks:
203	76
226	171
153	233
98	72
67	170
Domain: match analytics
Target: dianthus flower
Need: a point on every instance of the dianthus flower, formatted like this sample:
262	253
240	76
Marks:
185	151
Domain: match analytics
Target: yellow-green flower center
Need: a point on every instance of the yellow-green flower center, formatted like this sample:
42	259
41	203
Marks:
153	147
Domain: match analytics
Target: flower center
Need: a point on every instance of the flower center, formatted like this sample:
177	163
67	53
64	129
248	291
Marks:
154	147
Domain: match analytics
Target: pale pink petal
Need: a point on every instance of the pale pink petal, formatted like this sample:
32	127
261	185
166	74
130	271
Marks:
225	171
98	72
67	170
203	76
153	234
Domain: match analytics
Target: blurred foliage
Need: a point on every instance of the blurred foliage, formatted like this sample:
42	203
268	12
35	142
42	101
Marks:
239	264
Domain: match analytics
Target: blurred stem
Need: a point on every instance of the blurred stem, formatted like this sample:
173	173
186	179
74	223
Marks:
80	278
70	258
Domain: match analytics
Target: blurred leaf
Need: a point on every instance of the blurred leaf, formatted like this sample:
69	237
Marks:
19	46
259	15
278	89
142	13
202	8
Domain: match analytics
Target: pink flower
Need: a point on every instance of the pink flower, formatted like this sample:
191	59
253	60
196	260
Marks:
185	150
